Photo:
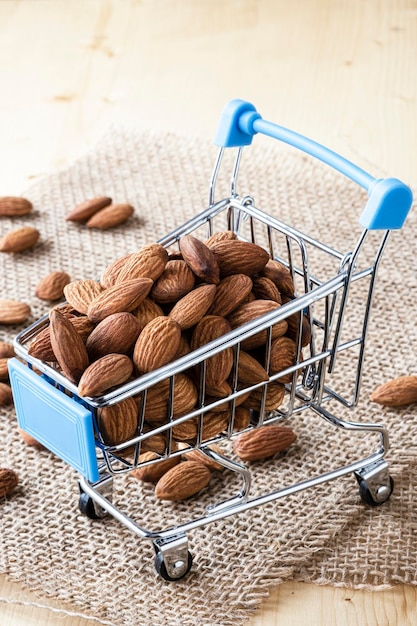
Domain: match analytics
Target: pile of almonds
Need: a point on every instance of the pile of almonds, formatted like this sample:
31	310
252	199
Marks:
150	308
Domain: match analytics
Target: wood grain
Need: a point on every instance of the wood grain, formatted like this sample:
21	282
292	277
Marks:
344	73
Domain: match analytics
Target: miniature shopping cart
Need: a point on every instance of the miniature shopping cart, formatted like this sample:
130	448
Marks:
331	286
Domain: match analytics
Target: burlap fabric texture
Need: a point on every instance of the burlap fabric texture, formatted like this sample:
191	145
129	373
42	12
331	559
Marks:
326	534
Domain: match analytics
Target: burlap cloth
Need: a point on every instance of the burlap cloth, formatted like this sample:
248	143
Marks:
326	534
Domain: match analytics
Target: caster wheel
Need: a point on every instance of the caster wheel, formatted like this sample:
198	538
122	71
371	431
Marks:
367	497
183	569
86	506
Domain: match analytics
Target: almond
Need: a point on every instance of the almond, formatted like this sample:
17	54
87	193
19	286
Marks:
41	347
183	481
68	346
147	311
157	399
118	423
250	371
226	235
241	418
293	325
401	391
13	206
274	397
231	292
109	371
6	396
83	211
193	306
222	390
153	472
157	344
20	239
263	442
183	348
51	287
122	297
29	440
250	311
8	481
265	289
199	259
6	349
283	355
239	257
214	423
280	276
218	367
155	443
148	262
200	457
66	309
4	370
110	274
225	406
13	312
175	282
185	431
116	333
111	216
81	293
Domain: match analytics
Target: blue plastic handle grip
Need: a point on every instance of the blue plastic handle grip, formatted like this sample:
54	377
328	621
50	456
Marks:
389	200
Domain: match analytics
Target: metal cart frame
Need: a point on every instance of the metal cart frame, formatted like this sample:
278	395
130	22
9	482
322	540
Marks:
49	408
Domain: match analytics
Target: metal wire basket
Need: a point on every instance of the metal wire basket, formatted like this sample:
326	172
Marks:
49	408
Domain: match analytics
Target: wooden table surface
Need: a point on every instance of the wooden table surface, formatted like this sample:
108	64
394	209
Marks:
340	71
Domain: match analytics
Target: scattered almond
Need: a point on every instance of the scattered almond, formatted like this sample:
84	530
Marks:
29	440
183	481
51	287
85	210
6	349
263	442
13	312
19	240
401	391
6	397
153	472
110	216
14	206
4	370
8	481
200	457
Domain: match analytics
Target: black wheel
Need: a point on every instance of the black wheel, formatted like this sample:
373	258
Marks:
162	570
367	497
86	506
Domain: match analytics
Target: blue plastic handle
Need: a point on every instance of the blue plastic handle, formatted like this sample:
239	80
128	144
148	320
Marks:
389	200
